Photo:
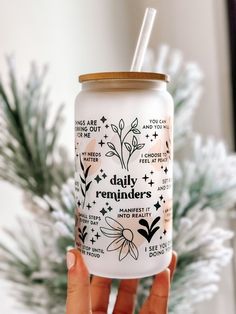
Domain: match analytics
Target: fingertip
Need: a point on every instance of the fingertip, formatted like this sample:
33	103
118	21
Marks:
174	256
165	274
70	260
75	262
173	264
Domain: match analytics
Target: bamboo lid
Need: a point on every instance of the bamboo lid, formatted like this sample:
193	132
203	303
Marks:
123	76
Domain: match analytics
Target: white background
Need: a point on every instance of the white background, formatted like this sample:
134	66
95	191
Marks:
79	36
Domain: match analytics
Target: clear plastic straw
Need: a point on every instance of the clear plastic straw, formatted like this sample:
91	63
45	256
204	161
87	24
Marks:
143	39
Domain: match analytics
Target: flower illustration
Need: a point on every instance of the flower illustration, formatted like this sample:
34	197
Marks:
123	239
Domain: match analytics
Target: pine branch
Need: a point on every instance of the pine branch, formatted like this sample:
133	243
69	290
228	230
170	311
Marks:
32	263
28	143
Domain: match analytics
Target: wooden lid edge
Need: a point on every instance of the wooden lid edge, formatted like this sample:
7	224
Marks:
123	76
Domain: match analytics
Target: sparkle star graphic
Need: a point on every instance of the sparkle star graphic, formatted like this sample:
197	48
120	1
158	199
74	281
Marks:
97	179
155	135
103	211
145	177
109	208
164	232
92	240
103	119
161	197
151	183
165	170
157	205
88	206
97	235
101	143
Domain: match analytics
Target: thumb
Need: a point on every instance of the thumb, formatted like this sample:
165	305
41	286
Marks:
78	285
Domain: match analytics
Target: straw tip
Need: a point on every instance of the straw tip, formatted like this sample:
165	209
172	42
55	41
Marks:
151	10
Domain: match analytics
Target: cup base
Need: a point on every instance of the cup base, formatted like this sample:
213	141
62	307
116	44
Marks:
149	273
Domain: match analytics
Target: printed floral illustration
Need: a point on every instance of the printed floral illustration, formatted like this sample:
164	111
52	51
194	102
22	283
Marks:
150	231
123	239
130	147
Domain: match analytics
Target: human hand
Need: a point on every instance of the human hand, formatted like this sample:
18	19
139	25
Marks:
84	297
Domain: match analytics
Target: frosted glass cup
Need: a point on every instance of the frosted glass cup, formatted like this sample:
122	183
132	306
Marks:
123	173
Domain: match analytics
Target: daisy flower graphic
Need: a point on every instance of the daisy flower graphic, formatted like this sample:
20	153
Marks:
123	239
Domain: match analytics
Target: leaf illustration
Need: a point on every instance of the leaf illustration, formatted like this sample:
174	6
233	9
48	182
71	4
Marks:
155	221
134	123
143	233
82	179
81	164
150	231
144	223
82	190
87	171
112	146
110	154
88	185
133	250
136	131
114	128
85	227
124	251
84	236
128	146
134	141
79	230
140	146
154	231
121	124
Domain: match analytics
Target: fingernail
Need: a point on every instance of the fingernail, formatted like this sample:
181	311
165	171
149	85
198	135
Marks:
70	260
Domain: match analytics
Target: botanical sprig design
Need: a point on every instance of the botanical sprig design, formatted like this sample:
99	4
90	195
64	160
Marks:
149	233
84	186
82	233
131	148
